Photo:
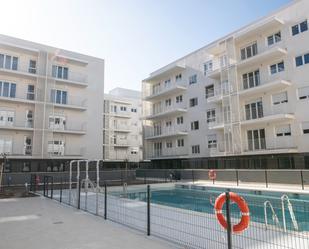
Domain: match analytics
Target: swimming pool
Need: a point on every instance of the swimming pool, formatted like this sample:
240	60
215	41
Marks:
201	199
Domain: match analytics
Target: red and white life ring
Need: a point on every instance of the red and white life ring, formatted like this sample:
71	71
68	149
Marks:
244	209
212	175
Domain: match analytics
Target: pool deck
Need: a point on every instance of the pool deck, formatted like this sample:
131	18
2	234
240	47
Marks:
42	223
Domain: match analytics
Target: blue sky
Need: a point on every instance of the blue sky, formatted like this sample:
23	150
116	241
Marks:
135	37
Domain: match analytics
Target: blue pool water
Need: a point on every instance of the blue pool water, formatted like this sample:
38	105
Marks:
201	199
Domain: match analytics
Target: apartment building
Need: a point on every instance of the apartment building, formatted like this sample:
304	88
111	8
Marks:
122	126
50	109
241	101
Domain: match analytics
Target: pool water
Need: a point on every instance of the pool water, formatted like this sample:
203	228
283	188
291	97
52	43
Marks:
201	199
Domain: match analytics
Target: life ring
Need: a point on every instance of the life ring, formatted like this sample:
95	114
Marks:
212	174
244	209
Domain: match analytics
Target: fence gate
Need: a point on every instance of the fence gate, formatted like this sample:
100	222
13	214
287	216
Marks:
48	186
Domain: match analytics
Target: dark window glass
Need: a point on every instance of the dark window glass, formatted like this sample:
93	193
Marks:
15	63
270	40
64	97
243	54
306	131
306	58
281	67
262	138
295	30
59	72
273	69
304	26
6	89
8	61
65	73
13	91
58	97
245	81
299	61
257	77
1	60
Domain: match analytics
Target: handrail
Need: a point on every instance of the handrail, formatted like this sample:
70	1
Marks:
291	211
274	215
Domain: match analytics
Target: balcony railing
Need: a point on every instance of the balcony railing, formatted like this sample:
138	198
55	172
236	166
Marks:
17	124
69	126
151	91
166	132
260	112
71	101
254	146
73	77
167	152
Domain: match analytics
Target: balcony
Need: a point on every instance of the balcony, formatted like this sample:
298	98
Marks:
273	85
119	114
153	134
66	152
74	78
17	126
29	73
273	53
164	73
167	153
163	112
19	98
217	95
121	128
70	128
20	153
72	102
270	146
278	113
276	145
252	31
216	123
215	72
158	93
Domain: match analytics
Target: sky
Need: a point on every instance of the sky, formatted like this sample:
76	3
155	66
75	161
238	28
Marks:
135	37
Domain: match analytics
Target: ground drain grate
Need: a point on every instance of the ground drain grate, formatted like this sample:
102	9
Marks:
58	222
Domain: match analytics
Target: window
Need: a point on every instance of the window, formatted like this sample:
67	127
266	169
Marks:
251	79
283	130
56	147
192	79
209	91
302	60
249	51
169	144
194	125
123	108
168	102
6	145
300	28
208	67
60	72
254	110
167	83
59	96
277	68
180	142
179	99
303	93
180	120
305	127
178	77
211	116
133	110
8	62
280	98
30	92
26	167
168	123
7	89
195	149
32	66
193	102
256	139
212	141
275	38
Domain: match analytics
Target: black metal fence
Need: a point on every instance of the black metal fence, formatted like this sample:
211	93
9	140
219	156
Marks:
184	213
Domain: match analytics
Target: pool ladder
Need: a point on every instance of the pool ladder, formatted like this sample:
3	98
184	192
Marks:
274	215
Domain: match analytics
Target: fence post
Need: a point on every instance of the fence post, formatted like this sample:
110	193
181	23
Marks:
52	187
192	176
228	219
266	179
148	210
61	189
79	187
237	177
302	180
44	187
105	201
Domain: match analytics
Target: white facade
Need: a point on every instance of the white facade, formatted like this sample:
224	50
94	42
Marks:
244	94
49	102
122	126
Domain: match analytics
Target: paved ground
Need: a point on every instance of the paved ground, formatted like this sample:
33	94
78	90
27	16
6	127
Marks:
36	223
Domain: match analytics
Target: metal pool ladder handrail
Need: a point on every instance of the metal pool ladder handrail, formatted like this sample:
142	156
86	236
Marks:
291	211
274	215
